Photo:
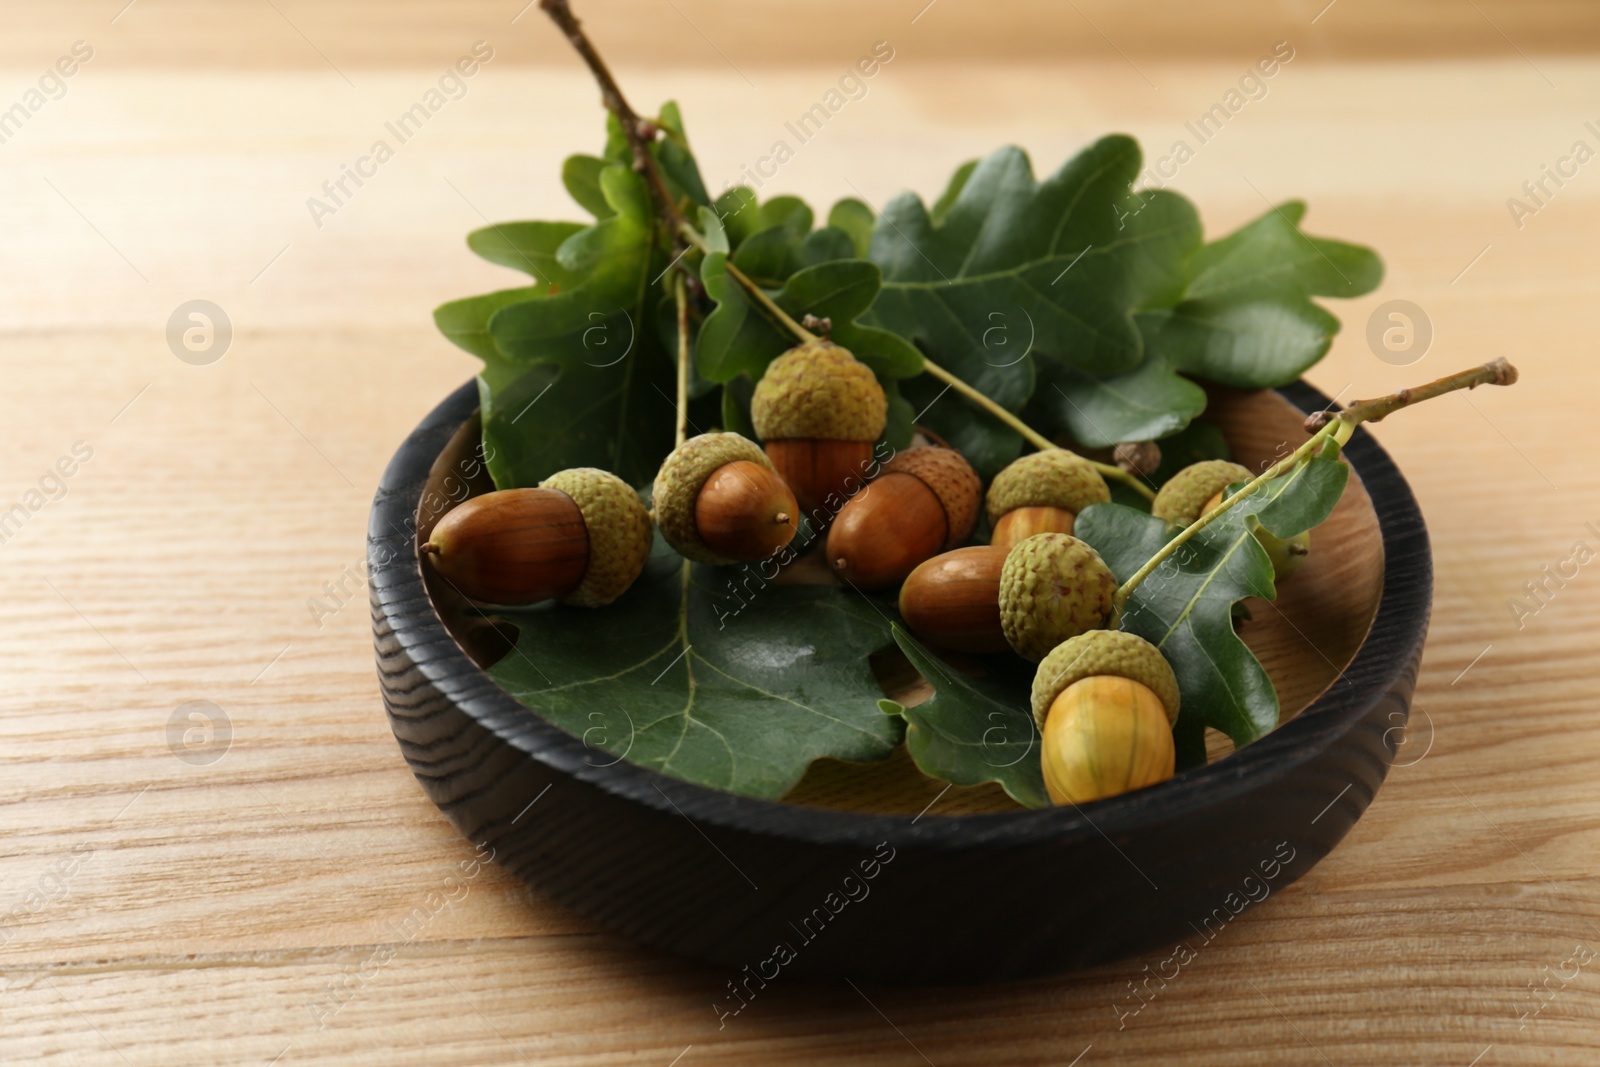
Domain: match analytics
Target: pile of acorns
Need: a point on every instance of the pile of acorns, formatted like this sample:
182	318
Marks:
1105	700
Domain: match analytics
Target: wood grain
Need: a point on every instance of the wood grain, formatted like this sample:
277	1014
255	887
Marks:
220	902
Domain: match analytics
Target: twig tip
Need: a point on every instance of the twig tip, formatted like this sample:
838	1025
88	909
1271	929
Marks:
1504	372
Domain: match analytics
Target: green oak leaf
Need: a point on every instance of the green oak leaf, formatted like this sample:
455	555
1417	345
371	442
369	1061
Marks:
671	151
1185	606
985	442
465	323
1064	263
1005	274
736	397
947	199
710	675
1195	443
826	245
1145	404
738	337
574	372
531	247
581	176
743	215
677	160
738	212
790	212
1246	318
900	426
972	730
855	219
769	257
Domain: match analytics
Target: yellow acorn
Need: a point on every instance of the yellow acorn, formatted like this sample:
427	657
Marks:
1107	701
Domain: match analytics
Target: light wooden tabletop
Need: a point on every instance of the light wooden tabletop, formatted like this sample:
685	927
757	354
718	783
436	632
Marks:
238	895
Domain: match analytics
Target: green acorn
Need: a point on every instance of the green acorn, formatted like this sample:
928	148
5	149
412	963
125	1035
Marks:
818	412
1099	653
1197	489
1041	493
1053	587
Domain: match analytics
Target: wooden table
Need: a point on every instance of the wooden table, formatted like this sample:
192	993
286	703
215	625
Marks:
240	905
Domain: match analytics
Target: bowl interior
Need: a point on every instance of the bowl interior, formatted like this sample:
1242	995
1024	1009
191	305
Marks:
1304	639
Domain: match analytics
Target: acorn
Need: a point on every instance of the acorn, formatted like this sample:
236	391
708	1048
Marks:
1183	498
1041	493
924	502
1105	736
1105	702
1200	487
952	601
818	413
718	500
1100	652
582	537
1053	587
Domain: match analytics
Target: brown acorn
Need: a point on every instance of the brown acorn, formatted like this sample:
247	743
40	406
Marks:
818	412
924	502
1041	493
582	537
952	601
719	500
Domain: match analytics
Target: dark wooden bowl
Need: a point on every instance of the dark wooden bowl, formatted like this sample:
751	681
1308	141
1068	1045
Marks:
975	889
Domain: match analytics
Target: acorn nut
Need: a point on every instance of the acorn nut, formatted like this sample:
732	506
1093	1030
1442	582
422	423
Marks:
924	502
1053	587
582	537
1041	493
1100	652
1106	702
818	412
952	601
1105	736
718	500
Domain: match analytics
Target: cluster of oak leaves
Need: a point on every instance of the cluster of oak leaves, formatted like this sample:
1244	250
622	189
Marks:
1087	308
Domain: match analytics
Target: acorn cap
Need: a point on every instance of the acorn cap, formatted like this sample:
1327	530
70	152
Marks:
1052	587
1186	492
680	479
818	390
1052	479
1101	652
619	530
953	481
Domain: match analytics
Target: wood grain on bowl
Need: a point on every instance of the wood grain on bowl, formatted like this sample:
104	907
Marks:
629	847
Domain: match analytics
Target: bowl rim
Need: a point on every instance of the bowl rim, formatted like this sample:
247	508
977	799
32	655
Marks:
1398	627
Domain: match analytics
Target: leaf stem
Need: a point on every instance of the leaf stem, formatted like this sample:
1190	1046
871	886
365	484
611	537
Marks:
680	294
769	305
1166	550
1029	434
1032	436
560	12
693	236
1323	426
